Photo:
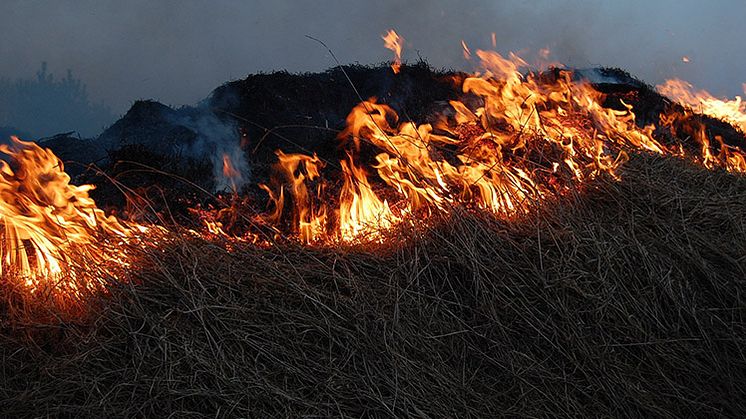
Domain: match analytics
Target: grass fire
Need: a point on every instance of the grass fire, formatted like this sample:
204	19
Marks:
522	239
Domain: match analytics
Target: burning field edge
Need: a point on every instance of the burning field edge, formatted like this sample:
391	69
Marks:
521	240
624	298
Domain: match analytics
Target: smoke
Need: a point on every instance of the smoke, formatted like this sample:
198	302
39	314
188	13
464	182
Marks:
178	51
216	140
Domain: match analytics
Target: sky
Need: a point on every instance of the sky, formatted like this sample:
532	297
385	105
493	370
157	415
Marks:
178	51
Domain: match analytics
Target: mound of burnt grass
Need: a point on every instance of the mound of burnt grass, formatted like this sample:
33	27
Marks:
625	299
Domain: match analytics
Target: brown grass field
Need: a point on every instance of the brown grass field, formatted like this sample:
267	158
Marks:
626	299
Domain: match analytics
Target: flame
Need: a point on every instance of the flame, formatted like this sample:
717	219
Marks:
517	138
685	59
527	138
491	170
230	172
361	212
309	211
732	111
52	231
394	42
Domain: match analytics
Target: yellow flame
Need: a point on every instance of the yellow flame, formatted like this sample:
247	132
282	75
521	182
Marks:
45	221
733	111
394	42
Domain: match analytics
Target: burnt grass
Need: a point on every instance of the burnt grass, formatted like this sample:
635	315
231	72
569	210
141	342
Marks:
624	299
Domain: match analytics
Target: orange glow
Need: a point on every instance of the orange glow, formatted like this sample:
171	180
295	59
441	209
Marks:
361	212
309	209
394	42
52	231
230	172
515	139
732	111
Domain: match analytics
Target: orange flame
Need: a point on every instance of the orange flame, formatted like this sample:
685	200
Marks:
361	212
519	139
49	227
527	138
394	42
230	172
309	210
732	111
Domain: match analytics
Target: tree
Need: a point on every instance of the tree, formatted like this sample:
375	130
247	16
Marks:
45	105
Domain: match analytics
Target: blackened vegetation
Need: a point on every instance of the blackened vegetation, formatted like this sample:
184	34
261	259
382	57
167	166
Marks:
648	106
296	113
304	113
624	300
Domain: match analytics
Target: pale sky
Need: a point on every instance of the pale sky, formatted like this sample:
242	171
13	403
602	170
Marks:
178	51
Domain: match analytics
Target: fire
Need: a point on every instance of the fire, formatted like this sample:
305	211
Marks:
527	138
309	210
361	212
230	172
394	42
52	231
518	138
732	111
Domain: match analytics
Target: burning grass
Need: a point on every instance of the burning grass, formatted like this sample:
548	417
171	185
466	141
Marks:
502	258
625	298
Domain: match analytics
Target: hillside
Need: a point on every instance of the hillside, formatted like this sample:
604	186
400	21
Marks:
625	300
615	287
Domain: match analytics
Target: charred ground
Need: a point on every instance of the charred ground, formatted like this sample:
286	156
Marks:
625	298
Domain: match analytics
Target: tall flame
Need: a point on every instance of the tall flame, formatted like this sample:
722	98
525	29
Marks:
47	223
516	139
394	42
528	137
733	111
230	172
361	212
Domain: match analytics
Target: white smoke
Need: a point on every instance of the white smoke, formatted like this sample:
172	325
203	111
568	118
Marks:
215	140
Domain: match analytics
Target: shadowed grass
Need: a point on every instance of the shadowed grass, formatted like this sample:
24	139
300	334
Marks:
626	299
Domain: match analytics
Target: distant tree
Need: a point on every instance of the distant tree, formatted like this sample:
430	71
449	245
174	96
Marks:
45	106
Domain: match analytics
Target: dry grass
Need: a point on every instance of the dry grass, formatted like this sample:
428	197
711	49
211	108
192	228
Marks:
625	300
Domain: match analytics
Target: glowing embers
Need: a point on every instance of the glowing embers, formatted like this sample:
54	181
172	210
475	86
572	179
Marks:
53	235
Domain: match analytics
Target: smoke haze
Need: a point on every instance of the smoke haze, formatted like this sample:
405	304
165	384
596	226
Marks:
178	51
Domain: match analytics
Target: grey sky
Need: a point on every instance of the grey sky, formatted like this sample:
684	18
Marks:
178	51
